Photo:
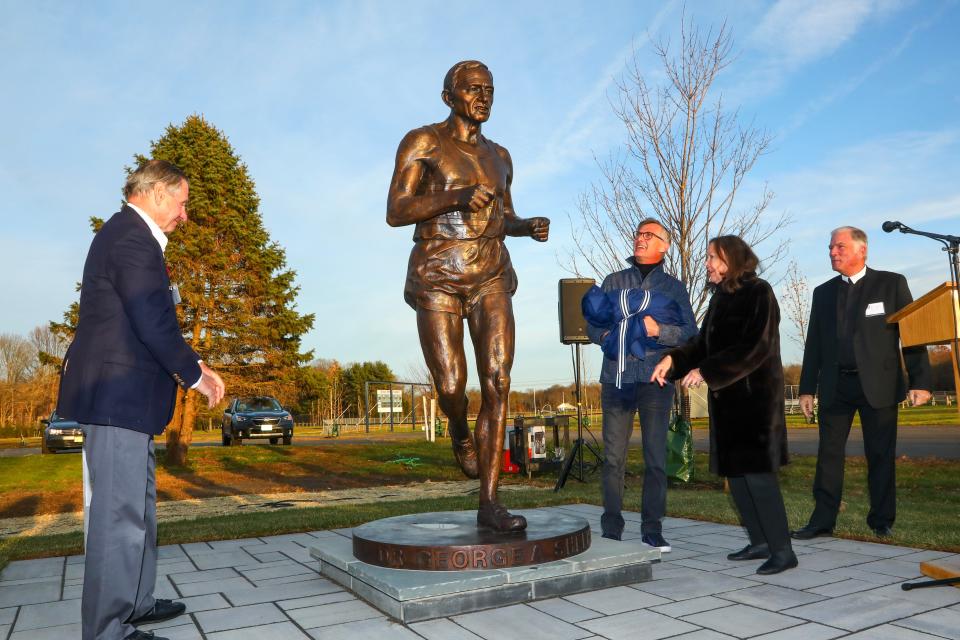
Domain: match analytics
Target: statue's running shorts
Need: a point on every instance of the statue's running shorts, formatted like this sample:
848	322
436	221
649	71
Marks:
451	275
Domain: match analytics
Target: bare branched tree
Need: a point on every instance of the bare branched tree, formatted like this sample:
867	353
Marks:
49	346
796	302
18	358
684	162
329	405
417	371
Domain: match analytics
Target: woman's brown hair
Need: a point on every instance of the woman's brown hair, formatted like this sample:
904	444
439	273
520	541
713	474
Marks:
742	263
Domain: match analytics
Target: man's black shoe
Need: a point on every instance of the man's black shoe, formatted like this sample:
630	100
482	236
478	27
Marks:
751	552
611	536
883	531
808	532
780	561
143	635
162	610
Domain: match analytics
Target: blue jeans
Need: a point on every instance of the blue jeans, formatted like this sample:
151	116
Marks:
653	403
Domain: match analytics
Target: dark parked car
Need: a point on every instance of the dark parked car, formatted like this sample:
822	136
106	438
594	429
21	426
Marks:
256	417
61	435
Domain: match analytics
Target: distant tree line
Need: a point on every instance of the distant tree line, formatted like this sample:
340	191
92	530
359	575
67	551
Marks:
29	378
328	390
322	390
941	363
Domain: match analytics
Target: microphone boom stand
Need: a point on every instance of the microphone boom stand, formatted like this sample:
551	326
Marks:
951	244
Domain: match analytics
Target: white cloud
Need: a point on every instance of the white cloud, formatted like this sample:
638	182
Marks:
927	211
583	125
853	83
795	32
881	175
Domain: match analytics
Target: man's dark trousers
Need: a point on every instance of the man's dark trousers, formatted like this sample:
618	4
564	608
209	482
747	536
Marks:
879	443
652	402
120	568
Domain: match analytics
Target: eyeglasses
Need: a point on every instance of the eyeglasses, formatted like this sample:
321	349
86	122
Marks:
648	235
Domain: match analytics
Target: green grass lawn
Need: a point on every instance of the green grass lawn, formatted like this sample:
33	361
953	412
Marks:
928	493
43	473
52	484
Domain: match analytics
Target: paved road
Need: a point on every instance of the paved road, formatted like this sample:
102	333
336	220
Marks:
915	442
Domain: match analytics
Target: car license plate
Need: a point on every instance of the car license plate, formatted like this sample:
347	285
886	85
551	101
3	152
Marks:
78	439
266	427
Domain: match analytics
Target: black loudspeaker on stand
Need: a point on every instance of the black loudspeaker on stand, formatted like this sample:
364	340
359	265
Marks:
573	331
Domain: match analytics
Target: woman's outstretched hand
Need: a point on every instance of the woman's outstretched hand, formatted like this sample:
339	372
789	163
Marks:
661	371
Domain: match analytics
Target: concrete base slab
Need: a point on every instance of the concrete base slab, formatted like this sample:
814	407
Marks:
412	596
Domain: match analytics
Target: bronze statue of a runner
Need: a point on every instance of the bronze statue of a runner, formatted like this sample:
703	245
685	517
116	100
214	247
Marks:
454	185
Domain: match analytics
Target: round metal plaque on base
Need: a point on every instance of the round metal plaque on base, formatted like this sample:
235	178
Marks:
451	541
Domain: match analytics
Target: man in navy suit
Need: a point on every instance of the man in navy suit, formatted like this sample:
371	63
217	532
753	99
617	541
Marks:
119	379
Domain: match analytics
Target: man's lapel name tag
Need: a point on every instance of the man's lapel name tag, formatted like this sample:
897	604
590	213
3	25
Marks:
875	309
175	294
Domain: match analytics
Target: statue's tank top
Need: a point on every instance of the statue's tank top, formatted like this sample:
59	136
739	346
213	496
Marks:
456	168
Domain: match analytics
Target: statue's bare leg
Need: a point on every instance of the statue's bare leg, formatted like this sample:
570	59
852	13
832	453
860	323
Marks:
441	337
492	332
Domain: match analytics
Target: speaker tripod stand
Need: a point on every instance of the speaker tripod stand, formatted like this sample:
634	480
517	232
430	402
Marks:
575	459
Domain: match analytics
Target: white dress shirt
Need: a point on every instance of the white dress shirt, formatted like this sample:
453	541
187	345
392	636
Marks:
855	278
155	229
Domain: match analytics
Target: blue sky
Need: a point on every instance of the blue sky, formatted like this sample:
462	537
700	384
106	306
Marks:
861	97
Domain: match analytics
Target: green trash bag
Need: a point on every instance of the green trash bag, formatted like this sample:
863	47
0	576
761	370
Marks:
679	449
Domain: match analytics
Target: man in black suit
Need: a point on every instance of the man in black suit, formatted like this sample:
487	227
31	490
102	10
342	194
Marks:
119	380
852	356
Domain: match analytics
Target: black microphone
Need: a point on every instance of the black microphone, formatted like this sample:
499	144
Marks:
889	226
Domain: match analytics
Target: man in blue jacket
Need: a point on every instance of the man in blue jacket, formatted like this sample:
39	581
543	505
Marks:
637	394
119	379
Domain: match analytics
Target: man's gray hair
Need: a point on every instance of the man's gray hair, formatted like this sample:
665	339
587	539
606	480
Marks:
150	173
666	232
857	235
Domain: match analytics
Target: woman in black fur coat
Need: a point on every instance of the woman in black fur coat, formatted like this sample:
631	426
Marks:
737	353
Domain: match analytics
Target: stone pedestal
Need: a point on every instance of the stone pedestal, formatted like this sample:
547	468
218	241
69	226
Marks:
451	541
411	595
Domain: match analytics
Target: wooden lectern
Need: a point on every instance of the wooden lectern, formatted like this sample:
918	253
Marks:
933	318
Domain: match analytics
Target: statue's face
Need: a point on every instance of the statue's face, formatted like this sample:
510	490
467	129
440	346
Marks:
472	97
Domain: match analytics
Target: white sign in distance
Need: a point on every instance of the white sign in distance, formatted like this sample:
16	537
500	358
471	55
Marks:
384	404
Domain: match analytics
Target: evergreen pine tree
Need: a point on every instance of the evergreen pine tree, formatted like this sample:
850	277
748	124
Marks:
238	309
